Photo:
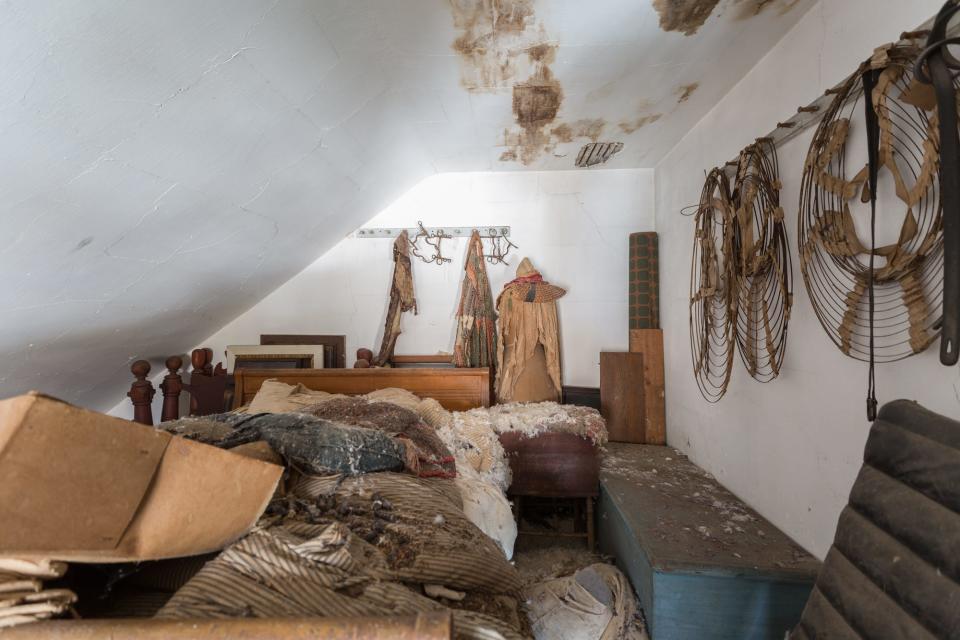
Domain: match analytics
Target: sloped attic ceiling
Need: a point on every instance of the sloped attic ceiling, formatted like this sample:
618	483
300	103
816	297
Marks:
167	164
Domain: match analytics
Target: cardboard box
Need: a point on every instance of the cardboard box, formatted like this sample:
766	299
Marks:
78	485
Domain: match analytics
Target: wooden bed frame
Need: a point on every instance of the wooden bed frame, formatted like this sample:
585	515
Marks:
455	389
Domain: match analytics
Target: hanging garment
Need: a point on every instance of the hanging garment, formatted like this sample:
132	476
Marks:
528	356
401	298
476	344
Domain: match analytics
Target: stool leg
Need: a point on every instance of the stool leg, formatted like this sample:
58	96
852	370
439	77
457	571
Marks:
591	534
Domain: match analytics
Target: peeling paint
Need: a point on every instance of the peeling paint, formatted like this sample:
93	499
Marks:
685	91
535	105
632	125
685	16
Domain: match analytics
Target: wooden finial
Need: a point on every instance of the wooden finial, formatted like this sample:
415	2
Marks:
171	386
198	359
141	393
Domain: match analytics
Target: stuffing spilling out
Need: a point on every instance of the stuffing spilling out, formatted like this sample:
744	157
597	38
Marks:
388	505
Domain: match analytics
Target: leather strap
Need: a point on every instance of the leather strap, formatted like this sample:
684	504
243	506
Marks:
869	79
934	67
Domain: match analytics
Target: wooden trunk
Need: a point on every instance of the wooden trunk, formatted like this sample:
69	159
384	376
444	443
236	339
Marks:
556	465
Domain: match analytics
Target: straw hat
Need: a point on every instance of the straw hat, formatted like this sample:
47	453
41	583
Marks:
530	286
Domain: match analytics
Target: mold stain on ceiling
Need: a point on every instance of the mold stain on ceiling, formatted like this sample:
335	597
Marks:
490	31
684	92
629	126
495	37
687	16
153	193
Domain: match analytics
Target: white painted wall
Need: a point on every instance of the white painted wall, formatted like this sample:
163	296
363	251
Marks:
792	448
572	224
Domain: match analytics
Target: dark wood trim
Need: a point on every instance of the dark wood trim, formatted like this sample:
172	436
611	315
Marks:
582	396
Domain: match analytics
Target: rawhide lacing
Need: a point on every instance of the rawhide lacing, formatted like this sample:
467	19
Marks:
761	262
713	288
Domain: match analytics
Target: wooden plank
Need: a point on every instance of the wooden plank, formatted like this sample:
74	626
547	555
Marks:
649	342
455	389
622	396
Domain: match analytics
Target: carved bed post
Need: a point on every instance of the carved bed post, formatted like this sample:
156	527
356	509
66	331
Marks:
172	385
198	359
141	393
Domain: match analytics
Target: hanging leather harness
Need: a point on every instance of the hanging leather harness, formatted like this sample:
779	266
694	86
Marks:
869	79
935	66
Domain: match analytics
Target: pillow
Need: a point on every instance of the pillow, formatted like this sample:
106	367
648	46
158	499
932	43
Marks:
278	397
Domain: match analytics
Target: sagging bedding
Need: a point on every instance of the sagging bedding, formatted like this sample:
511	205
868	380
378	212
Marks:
390	505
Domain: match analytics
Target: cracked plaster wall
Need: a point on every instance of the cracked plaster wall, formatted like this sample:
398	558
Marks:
572	224
790	448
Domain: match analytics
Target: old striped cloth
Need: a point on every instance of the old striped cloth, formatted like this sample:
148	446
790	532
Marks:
417	536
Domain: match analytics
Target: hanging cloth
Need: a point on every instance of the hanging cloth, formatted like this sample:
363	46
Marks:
476	343
401	298
528	356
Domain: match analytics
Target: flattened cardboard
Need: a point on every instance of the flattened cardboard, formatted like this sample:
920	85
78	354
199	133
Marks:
83	486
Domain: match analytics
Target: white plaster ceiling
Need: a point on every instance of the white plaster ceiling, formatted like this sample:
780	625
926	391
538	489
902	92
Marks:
166	164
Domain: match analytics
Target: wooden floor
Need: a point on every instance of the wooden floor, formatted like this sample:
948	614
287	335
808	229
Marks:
703	563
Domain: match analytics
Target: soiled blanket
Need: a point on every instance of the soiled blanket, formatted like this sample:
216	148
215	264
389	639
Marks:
311	444
433	457
359	546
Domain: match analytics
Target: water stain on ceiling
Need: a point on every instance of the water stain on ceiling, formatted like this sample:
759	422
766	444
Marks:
747	9
685	16
498	39
586	128
684	92
489	33
629	126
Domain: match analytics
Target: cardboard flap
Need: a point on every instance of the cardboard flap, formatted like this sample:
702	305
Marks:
78	485
70	478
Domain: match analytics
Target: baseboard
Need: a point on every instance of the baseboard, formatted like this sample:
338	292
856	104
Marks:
582	396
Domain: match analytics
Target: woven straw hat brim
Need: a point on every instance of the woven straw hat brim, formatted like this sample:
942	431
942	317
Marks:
535	292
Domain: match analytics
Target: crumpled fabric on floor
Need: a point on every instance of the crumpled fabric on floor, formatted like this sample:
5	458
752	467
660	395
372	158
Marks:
595	603
304	563
420	526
